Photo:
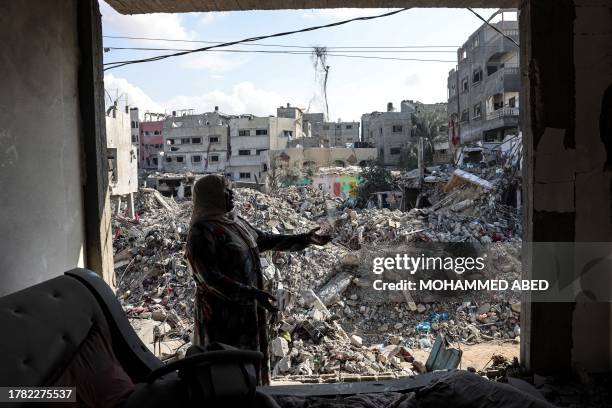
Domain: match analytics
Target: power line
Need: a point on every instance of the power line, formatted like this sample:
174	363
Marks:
310	53
252	39
276	45
279	52
493	27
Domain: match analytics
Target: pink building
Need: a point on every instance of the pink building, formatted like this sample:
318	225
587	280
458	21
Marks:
151	143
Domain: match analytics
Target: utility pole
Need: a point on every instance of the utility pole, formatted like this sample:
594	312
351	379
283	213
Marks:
421	161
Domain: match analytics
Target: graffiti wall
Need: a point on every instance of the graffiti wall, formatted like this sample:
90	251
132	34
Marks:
337	185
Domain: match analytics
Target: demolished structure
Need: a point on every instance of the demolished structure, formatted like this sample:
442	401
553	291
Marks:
332	325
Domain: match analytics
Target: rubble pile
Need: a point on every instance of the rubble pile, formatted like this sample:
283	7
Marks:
330	319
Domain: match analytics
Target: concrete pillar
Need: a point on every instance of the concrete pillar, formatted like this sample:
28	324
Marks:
130	206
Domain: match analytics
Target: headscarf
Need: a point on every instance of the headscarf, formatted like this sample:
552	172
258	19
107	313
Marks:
209	204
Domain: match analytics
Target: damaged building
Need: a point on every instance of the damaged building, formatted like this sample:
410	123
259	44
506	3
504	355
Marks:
565	111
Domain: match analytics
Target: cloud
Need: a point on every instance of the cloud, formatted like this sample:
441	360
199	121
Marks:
412	79
210	17
343	13
156	25
244	98
135	96
212	61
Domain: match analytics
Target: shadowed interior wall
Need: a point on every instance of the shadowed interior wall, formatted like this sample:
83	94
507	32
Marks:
42	218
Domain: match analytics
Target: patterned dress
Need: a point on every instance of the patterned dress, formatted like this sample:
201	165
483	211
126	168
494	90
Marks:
226	270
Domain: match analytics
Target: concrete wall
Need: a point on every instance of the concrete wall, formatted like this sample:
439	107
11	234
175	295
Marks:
567	178
42	222
150	143
386	139
324	157
338	134
181	135
119	140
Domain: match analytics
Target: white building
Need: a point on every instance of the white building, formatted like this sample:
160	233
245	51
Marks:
196	143
251	139
122	157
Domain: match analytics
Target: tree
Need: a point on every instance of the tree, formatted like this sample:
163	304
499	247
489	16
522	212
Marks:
427	125
375	177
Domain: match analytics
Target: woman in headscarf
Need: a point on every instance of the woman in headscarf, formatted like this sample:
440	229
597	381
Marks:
223	251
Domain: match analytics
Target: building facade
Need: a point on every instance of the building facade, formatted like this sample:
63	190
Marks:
196	143
340	134
151	144
251	139
391	131
483	90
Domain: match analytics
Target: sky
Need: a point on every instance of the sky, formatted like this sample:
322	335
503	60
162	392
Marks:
257	83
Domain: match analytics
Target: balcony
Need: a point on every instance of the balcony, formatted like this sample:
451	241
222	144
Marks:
502	113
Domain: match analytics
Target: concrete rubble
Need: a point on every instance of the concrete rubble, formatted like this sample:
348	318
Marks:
330	322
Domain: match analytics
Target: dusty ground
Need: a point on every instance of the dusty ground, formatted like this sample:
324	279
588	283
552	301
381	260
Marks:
476	355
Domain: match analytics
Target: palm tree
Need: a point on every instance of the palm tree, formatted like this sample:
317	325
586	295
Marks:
426	125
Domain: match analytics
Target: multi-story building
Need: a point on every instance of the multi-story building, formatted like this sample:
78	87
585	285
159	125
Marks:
483	90
340	134
251	139
151	144
292	112
122	157
391	131
134	126
365	128
196	143
313	122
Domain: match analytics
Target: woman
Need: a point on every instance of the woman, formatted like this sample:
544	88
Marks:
223	251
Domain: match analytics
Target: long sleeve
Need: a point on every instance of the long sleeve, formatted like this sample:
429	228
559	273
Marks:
277	242
204	259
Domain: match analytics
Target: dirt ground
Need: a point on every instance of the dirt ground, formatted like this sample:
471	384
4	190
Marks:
475	355
478	355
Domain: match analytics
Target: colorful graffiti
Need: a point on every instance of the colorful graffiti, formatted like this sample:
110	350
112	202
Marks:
337	185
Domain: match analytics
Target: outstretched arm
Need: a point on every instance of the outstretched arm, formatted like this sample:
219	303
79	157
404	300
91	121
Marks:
278	242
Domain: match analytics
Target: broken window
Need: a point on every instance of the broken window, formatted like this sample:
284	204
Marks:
169	159
462	54
265	167
245	175
244	132
174	149
349	126
287	133
397	128
464	85
261	132
185	140
196	140
512	102
180	159
196	159
395	150
214	158
213	139
244	152
477	76
154	161
156	132
477	110
465	115
147	133
475	41
170	141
